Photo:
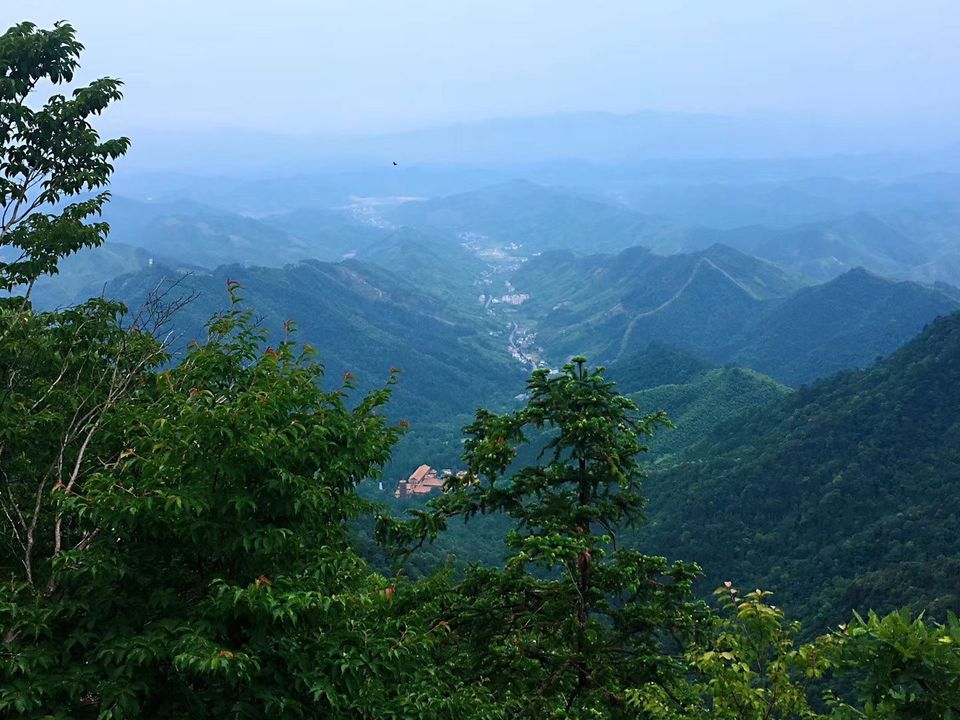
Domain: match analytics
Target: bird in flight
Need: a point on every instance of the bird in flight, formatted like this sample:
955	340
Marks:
394	162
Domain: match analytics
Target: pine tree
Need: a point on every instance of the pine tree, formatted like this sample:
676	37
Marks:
573	618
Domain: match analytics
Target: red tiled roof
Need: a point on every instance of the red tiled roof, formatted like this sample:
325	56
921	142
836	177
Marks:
419	473
423	480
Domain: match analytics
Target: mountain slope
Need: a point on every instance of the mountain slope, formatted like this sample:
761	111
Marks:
832	493
364	319
847	322
194	234
434	262
85	273
723	306
656	364
212	238
705	401
818	251
610	306
330	235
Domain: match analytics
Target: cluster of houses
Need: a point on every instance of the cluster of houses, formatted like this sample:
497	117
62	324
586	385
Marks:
422	481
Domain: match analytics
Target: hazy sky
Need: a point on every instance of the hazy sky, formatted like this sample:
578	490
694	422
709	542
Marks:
356	65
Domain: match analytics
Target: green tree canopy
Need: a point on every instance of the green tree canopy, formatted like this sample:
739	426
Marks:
573	618
49	154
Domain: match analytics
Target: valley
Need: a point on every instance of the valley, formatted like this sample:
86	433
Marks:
467	294
526	276
480	361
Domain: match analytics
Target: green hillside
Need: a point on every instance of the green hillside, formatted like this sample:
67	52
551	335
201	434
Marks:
656	364
611	306
330	235
195	234
699	399
847	322
710	399
211	238
433	262
820	251
86	273
832	494
365	319
723	306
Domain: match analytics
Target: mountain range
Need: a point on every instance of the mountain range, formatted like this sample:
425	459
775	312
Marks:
760	325
844	491
721	305
365	321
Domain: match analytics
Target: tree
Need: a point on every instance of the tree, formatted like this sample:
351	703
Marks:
61	374
216	577
175	543
751	667
49	154
64	377
902	667
573	618
747	667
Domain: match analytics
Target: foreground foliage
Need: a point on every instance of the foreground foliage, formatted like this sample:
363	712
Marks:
214	574
573	618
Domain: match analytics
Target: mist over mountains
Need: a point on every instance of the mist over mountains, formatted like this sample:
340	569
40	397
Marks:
713	264
648	143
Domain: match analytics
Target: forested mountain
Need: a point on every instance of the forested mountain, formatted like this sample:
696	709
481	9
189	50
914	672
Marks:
656	364
365	320
912	236
433	262
819	226
87	273
847	322
330	234
816	251
841	495
210	238
721	305
696	396
609	306
198	234
816	228
708	400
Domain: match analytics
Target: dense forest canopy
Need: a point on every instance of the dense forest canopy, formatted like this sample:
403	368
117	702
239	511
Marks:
184	532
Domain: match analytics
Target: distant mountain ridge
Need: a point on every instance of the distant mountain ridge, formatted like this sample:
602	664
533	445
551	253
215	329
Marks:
723	306
609	306
847	322
600	137
818	251
906	231
915	237
365	319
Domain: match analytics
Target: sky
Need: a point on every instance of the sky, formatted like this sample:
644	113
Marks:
357	66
